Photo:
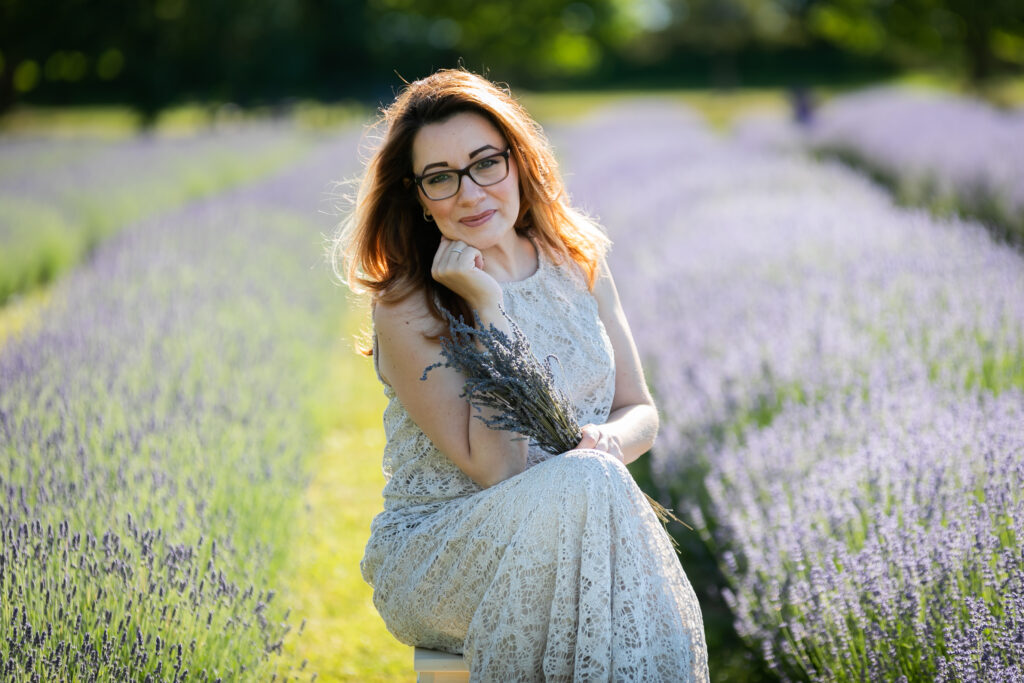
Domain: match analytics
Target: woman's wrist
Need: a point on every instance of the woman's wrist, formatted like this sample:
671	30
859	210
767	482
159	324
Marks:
489	312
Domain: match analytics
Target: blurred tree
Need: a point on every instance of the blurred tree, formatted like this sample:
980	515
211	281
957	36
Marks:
532	40
729	25
156	52
978	35
153	53
720	29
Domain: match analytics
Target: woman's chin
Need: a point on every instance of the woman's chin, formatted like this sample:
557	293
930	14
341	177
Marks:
482	238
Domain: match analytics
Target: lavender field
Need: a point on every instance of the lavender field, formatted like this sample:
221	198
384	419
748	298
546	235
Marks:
956	155
154	432
953	153
842	389
841	381
59	198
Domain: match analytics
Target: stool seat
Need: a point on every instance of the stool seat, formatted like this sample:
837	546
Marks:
439	667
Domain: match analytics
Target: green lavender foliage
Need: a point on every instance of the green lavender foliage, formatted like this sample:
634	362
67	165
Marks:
60	199
154	437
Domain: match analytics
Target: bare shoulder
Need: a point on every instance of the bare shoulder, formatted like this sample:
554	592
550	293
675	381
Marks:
604	287
410	316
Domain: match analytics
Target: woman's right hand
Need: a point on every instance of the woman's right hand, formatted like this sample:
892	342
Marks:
460	268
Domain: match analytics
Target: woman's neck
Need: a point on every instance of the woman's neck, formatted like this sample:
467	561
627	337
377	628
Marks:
512	259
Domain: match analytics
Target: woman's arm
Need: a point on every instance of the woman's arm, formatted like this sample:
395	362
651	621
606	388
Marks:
486	455
632	424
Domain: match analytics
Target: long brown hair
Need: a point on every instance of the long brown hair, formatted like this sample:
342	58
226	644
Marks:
385	246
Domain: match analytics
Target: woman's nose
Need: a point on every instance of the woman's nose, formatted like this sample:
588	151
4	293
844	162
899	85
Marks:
470	191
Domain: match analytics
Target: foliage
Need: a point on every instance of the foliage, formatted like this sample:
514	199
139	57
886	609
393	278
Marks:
344	637
841	393
979	36
157	53
932	149
154	438
60	198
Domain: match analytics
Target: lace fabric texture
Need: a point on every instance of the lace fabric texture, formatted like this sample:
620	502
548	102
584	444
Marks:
560	573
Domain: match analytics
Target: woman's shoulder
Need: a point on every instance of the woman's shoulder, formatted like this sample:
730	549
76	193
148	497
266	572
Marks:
566	270
408	315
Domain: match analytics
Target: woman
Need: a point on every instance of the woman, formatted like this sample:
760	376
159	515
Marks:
534	567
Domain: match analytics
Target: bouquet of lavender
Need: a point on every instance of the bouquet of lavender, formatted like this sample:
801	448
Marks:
503	374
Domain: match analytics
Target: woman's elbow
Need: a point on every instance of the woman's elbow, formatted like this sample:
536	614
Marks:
487	474
497	475
653	425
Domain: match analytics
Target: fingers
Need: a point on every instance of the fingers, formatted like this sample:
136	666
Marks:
596	439
460	267
452	255
457	250
589	439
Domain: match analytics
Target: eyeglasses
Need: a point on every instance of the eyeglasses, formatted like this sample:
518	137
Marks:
489	170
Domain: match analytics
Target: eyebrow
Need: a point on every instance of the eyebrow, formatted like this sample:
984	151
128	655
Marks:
477	151
445	164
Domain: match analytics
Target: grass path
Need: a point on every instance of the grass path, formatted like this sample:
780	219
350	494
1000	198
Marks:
19	313
344	638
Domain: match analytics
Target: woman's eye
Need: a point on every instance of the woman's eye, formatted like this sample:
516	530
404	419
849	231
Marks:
438	178
486	163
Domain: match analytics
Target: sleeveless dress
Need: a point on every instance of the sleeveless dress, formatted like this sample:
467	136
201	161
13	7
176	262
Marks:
559	573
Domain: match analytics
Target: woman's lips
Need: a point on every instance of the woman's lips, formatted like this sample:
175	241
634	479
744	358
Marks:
478	219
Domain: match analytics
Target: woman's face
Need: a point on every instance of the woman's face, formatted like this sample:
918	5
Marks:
479	216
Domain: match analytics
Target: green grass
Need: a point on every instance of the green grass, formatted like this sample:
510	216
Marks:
719	108
1002	91
344	638
112	122
21	313
118	122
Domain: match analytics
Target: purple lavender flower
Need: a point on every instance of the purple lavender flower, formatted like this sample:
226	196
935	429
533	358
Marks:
846	379
153	436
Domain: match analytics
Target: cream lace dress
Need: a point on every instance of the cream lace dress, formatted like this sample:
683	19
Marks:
560	573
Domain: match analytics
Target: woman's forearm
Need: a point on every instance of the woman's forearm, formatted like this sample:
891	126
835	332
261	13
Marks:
496	455
633	428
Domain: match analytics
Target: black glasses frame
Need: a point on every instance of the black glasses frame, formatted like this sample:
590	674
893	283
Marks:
459	172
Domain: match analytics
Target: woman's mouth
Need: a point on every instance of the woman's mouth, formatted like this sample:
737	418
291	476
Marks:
478	219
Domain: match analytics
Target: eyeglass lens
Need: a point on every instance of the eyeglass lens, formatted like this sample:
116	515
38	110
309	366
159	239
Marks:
486	171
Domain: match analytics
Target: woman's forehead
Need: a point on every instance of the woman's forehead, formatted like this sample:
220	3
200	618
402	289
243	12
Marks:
453	140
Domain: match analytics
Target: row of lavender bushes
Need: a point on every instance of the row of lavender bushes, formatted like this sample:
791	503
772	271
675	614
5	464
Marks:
844	381
59	197
155	428
954	154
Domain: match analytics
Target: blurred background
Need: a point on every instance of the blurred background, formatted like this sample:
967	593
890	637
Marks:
828	234
155	54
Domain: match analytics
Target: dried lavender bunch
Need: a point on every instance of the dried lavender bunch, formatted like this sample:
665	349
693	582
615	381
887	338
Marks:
503	374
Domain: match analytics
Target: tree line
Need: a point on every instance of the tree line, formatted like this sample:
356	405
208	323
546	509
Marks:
154	53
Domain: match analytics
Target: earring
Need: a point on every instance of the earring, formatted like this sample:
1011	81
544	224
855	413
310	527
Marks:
427	217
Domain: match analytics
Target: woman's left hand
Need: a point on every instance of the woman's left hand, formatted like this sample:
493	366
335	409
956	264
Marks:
602	440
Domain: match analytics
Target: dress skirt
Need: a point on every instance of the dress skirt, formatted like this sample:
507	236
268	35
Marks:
560	573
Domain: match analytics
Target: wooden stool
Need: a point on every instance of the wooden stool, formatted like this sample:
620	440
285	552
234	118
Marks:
439	667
